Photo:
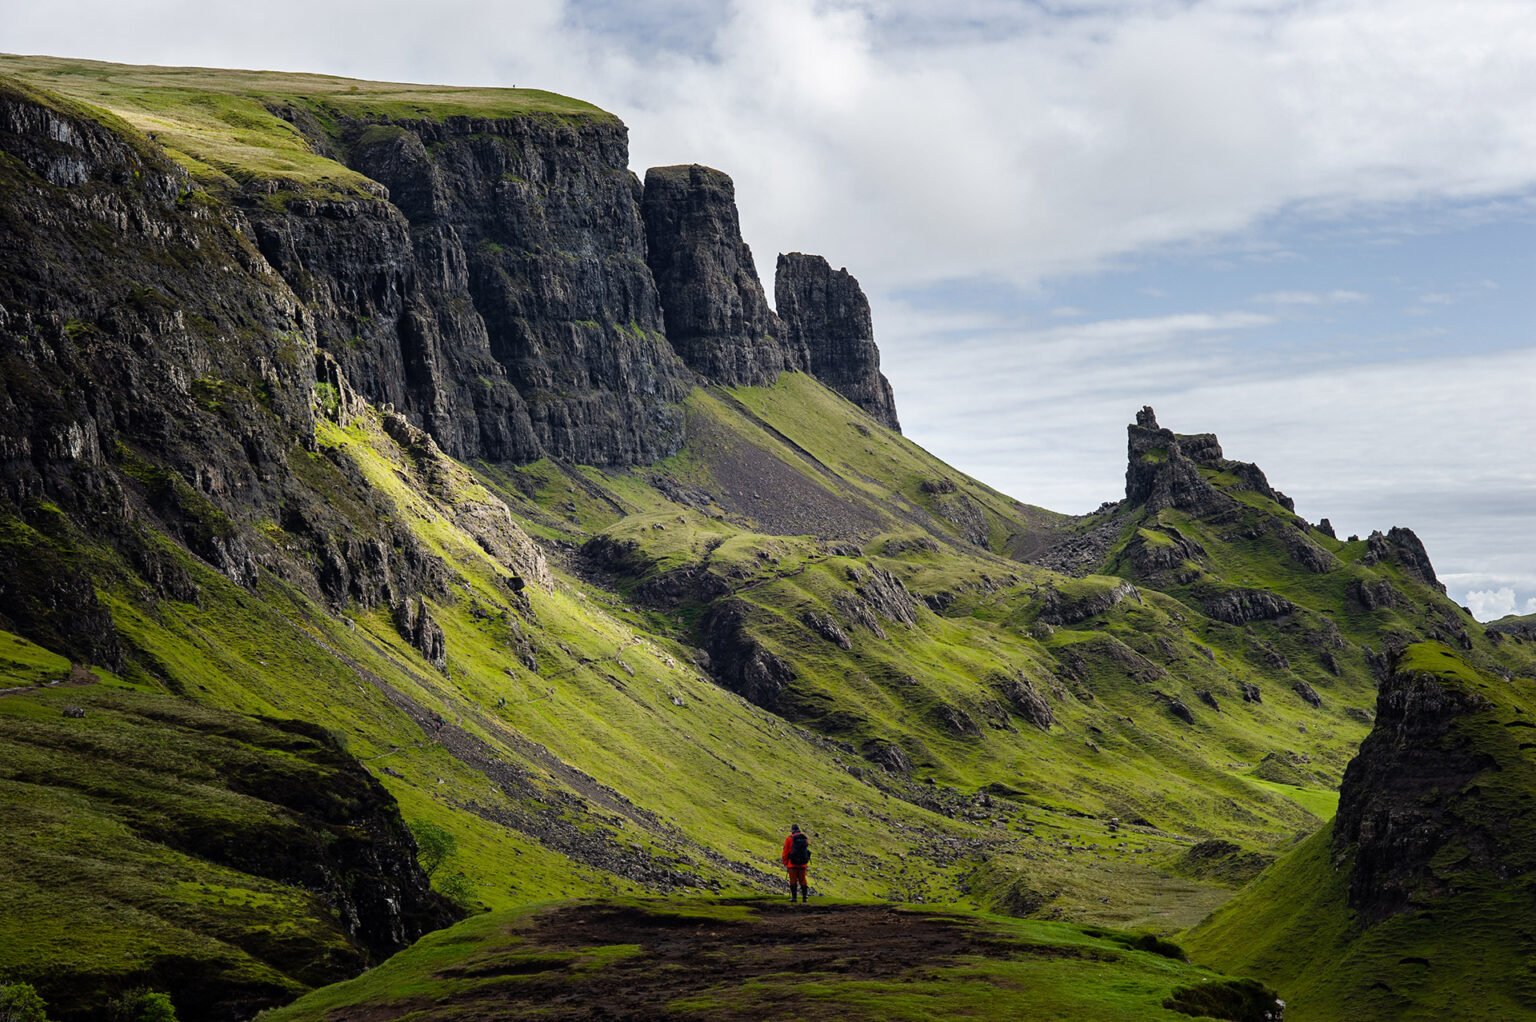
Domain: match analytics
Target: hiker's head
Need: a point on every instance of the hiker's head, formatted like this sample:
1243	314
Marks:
794	828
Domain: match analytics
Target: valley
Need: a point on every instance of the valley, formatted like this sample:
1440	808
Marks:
389	468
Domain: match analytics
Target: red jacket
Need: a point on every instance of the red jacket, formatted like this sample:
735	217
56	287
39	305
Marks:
789	843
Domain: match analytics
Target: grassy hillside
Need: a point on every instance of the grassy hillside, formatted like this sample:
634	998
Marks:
229	128
150	840
609	682
1462	946
573	745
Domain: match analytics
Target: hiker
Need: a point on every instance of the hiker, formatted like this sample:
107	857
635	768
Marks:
796	857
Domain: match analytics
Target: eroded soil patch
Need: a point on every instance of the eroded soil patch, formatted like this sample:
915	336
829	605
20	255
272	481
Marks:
683	957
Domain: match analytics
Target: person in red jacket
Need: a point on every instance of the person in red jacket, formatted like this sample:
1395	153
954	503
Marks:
797	858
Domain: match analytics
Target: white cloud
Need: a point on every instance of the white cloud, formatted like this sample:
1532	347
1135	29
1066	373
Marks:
1492	604
1335	297
1488	604
919	143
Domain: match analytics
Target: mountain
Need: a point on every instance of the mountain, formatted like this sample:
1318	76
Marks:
399	441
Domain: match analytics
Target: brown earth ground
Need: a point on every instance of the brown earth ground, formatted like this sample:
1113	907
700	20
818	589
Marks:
684	957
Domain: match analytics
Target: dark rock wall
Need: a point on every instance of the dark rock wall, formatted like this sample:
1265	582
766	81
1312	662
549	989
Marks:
717	315
157	374
1397	802
500	295
826	315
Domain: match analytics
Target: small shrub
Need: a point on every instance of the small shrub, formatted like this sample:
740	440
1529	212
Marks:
434	845
1236	1000
144	1006
459	889
19	1002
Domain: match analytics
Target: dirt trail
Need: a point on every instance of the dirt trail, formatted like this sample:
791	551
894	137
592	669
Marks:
688	957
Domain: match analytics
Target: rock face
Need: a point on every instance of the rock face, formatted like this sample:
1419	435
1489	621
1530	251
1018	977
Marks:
738	661
499	297
826	316
1401	547
1028	703
1163	470
1161	473
1398	800
1239	606
717	316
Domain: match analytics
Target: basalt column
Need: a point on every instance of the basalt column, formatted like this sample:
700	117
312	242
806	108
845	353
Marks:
826	315
717	315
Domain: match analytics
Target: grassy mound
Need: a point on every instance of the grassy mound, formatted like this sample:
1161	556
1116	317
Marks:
761	959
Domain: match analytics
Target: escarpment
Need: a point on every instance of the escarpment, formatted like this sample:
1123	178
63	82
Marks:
1412	820
499	296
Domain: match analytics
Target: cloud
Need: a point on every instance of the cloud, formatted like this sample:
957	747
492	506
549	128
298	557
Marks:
1492	604
917	143
1336	297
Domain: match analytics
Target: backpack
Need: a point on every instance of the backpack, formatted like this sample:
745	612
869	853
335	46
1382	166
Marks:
799	850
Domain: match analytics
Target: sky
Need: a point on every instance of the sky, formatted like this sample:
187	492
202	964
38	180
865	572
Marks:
1308	227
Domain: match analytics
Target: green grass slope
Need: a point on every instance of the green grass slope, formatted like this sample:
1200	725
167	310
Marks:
151	841
1461	947
615	682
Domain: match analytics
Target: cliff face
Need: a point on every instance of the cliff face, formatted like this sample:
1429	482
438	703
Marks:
157	373
717	315
1163	469
500	296
1413	823
826	315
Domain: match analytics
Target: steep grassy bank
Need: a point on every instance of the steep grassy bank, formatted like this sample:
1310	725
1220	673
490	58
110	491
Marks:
1419	908
152	841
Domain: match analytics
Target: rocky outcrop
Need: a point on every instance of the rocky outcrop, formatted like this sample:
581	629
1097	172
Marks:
888	756
1398	803
737	660
827	627
1178	709
1028	703
877	595
826	317
1163	470
1161	473
1163	550
1240	606
1401	547
1373	594
1308	554
414	623
519	309
1308	694
717	316
1521	627
1061	608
